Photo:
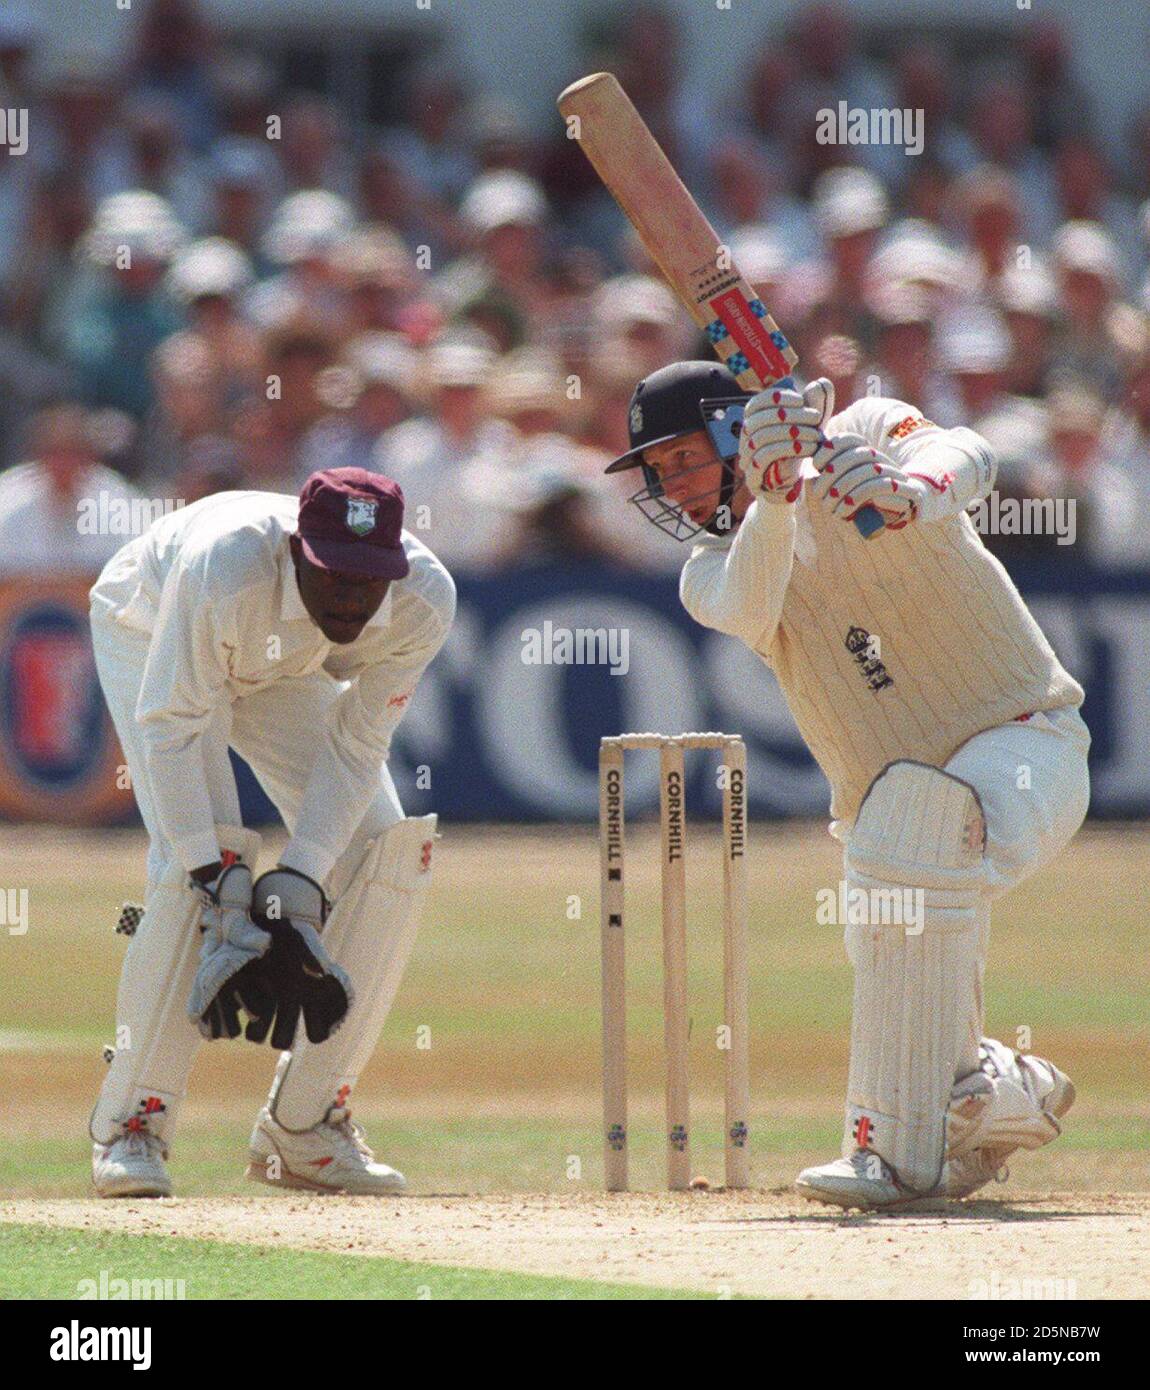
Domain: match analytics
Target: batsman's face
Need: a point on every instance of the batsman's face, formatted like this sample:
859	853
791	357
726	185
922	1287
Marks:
690	473
340	605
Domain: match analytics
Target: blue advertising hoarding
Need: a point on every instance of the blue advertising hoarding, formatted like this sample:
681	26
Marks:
503	735
506	723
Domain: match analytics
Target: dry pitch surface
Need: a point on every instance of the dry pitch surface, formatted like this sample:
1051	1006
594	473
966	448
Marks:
756	1243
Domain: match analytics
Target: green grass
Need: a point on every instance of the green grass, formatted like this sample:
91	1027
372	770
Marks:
42	1262
506	987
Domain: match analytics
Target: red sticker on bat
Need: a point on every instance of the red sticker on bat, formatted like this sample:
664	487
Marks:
749	332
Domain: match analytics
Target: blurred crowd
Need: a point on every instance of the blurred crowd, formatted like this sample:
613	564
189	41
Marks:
208	281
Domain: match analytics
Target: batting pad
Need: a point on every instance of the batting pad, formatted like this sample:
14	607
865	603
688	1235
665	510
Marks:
917	985
156	1042
370	933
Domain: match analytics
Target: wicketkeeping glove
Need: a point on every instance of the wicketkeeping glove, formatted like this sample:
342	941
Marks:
302	977
230	976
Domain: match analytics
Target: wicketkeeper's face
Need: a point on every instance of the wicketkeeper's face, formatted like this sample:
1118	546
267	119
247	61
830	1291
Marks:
340	605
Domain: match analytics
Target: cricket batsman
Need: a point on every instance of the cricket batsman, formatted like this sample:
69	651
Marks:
294	631
948	730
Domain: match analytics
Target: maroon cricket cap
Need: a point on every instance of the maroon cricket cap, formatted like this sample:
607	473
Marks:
351	520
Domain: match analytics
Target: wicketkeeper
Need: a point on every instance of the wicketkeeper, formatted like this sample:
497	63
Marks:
935	706
294	631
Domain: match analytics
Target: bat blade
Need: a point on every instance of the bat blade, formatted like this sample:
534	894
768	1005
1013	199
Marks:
680	240
677	235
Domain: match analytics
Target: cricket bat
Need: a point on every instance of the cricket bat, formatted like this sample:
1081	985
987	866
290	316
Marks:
681	241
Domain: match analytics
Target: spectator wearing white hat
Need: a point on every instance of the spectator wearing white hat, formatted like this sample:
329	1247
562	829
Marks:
1087	193
529	391
449	461
116	319
974	351
504	214
194	410
984	204
643	317
850	209
1095	321
209	279
370	390
1112	507
381	287
1028	298
915	252
305	231
904	343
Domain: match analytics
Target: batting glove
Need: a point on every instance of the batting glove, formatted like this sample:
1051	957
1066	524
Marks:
856	475
781	428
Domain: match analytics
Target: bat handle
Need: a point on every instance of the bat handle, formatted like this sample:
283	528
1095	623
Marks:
867	520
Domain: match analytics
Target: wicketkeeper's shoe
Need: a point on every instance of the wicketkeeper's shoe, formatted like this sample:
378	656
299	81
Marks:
1014	1101
862	1180
332	1156
131	1166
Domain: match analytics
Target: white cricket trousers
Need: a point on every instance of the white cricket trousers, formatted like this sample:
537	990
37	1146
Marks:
277	731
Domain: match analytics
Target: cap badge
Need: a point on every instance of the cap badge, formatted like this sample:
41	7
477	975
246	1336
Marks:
361	515
636	418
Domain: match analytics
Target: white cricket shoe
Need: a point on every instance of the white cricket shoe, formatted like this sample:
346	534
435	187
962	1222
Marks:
131	1166
1014	1101
332	1156
862	1180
